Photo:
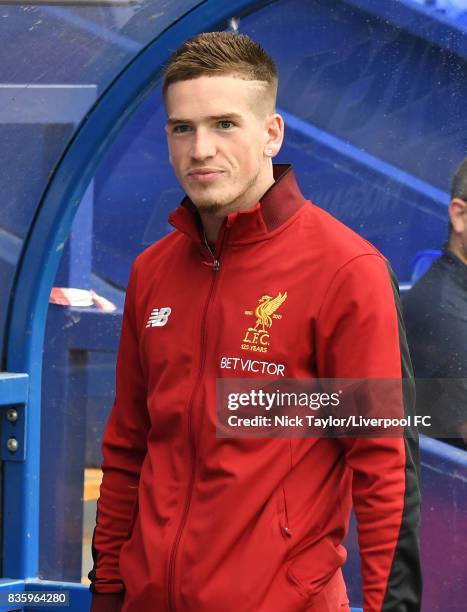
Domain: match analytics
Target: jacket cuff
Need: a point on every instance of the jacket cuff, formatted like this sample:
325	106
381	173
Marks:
107	602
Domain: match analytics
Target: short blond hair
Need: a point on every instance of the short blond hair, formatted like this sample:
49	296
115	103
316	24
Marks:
222	54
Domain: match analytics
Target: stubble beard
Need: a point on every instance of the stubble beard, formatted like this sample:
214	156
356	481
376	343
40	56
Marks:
211	206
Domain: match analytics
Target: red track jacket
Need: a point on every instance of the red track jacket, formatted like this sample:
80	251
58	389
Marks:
189	522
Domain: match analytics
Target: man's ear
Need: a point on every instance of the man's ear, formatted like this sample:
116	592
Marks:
457	211
275	134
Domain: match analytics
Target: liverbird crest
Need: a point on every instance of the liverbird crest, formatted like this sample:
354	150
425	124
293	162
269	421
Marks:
266	308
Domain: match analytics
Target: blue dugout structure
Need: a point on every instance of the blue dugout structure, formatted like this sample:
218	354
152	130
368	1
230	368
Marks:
373	102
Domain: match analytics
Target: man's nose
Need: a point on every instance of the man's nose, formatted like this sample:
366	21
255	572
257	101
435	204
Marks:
203	145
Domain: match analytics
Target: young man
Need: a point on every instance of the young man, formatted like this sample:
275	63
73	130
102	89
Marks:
194	523
435	311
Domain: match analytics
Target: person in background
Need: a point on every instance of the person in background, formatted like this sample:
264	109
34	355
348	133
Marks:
436	318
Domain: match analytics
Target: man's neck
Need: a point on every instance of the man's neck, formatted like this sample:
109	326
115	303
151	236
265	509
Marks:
212	221
456	247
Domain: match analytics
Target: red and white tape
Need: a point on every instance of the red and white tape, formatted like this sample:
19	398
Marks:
67	296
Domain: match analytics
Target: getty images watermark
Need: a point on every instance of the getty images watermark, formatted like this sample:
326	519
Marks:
319	408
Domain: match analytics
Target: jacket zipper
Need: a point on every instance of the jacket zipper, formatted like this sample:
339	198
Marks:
287	530
174	551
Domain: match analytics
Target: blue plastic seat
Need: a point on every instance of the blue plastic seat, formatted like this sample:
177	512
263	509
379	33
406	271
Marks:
422	261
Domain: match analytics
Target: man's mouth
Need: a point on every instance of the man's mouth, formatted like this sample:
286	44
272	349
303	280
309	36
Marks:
204	175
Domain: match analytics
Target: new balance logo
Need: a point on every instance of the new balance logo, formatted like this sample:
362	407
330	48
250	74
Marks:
159	317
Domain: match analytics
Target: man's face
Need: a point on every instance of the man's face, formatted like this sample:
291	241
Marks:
217	132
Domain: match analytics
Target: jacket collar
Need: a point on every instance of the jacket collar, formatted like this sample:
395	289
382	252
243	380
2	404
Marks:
280	202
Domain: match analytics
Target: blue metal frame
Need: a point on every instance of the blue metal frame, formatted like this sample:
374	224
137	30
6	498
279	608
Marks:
14	389
13	431
11	586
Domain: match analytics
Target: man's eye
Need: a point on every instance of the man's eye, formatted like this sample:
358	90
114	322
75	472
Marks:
181	129
225	125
